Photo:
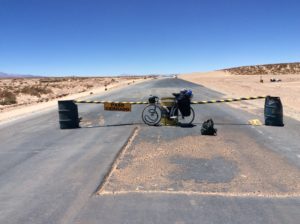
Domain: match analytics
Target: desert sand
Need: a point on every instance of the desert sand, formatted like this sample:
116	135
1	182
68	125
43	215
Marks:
235	86
58	89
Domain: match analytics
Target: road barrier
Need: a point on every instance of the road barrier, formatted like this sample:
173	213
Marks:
193	102
228	100
273	111
103	102
69	116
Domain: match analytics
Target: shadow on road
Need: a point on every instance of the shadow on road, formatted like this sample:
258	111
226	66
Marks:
232	124
112	125
182	125
241	124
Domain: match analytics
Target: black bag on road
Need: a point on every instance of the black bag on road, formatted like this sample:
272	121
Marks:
208	128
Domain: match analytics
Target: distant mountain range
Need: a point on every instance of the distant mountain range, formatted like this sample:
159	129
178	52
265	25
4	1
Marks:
272	69
10	76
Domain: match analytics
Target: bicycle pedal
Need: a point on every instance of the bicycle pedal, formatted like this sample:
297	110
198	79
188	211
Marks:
173	117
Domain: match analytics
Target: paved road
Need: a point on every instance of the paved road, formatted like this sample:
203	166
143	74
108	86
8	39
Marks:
48	175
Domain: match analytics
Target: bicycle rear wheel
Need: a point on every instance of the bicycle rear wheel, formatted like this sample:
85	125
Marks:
182	120
151	115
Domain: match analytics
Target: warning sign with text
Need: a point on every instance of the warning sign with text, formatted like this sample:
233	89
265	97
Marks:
125	107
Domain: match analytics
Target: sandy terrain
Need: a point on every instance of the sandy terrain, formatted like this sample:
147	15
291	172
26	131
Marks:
196	164
249	85
56	89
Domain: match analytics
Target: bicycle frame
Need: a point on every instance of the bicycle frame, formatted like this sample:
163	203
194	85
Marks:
171	113
166	109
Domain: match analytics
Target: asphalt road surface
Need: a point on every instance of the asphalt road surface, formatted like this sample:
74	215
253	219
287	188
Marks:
115	169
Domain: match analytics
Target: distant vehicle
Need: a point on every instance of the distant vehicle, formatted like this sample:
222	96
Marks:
275	80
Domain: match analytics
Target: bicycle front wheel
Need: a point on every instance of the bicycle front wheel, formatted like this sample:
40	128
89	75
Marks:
151	115
183	120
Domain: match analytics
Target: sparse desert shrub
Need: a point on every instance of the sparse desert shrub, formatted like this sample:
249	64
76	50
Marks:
35	90
88	86
10	88
7	97
54	86
50	80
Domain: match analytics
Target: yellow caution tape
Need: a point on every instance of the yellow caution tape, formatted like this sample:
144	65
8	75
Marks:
193	102
102	102
228	100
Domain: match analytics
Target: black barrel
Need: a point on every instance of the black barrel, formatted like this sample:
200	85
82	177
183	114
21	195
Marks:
273	111
68	114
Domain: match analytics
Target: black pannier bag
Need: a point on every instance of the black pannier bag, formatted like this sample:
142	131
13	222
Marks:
184	105
152	99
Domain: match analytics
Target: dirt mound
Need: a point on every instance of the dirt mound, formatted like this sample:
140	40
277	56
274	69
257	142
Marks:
269	69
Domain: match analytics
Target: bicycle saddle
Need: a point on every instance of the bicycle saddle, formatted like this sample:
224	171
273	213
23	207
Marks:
176	94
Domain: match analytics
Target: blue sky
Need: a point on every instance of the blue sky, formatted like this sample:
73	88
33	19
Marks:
105	37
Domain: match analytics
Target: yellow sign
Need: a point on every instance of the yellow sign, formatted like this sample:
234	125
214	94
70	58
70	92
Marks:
126	107
255	122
